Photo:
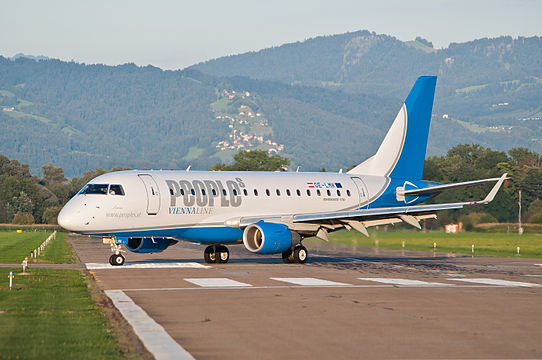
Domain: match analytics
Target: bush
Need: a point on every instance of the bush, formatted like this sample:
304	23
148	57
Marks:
22	218
536	218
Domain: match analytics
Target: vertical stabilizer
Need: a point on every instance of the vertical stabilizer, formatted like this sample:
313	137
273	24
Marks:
402	152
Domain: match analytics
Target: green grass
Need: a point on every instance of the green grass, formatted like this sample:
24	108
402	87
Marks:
487	244
14	247
58	251
49	314
6	93
470	89
19	114
194	152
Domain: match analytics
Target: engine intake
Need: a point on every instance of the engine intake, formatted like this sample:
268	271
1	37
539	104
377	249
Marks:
269	238
149	245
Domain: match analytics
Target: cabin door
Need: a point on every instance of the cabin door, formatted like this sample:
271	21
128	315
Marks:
153	194
362	191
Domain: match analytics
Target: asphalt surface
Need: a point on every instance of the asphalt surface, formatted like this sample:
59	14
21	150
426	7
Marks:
347	303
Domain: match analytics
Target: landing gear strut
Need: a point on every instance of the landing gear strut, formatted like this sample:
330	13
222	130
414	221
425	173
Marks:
297	255
214	254
117	259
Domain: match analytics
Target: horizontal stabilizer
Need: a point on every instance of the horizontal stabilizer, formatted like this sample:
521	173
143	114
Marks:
441	188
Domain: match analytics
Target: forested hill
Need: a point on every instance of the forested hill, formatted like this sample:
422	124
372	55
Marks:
83	117
365	62
325	102
490	87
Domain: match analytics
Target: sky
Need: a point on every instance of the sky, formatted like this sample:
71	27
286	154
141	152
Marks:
174	34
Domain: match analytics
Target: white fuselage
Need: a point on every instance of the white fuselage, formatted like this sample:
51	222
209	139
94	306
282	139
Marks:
155	200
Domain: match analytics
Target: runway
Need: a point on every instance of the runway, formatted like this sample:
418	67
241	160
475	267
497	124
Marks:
344	303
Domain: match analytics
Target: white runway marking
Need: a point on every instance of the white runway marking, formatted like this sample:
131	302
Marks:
405	282
499	282
146	265
310	282
217	282
153	335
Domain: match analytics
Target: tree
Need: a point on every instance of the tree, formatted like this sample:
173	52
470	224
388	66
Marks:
255	160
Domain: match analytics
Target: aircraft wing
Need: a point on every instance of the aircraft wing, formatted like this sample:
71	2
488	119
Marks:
318	223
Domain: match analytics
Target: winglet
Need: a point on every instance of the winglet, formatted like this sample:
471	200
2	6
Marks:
493	191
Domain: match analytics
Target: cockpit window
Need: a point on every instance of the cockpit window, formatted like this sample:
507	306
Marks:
116	190
94	189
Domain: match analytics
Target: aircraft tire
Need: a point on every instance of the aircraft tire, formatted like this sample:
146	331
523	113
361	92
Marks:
222	254
117	260
288	256
210	254
300	254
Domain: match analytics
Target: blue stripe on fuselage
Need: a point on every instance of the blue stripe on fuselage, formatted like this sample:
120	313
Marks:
211	235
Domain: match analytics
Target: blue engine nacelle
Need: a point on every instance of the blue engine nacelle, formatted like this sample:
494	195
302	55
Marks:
269	238
148	245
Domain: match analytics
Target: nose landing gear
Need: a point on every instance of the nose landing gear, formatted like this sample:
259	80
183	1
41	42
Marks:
117	259
216	254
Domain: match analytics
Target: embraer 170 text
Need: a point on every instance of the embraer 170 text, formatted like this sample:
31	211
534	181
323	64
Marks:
268	212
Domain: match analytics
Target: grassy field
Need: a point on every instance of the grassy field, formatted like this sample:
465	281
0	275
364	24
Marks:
14	247
49	313
488	244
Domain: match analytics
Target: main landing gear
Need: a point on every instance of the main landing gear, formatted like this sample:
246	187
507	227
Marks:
297	255
216	254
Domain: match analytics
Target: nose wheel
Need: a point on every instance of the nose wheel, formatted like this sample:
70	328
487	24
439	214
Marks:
117	260
216	254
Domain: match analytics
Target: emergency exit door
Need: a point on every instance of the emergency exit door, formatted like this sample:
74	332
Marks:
153	194
362	191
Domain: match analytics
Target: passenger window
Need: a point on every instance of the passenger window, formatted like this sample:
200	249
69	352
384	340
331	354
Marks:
278	192
234	192
348	192
255	192
288	192
192	191
203	192
318	192
267	192
308	192
328	193
298	192
224	192
182	192
245	192
338	192
171	191
213	191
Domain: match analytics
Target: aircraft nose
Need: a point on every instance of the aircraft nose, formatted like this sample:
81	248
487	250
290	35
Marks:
67	219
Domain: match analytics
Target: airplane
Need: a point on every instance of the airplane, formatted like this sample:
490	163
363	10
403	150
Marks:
268	212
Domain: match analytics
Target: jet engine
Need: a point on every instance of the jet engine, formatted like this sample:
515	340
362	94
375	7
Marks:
149	244
269	238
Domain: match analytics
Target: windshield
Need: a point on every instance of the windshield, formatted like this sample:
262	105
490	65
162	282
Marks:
94	189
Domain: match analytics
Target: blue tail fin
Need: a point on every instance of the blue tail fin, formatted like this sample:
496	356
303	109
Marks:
402	152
